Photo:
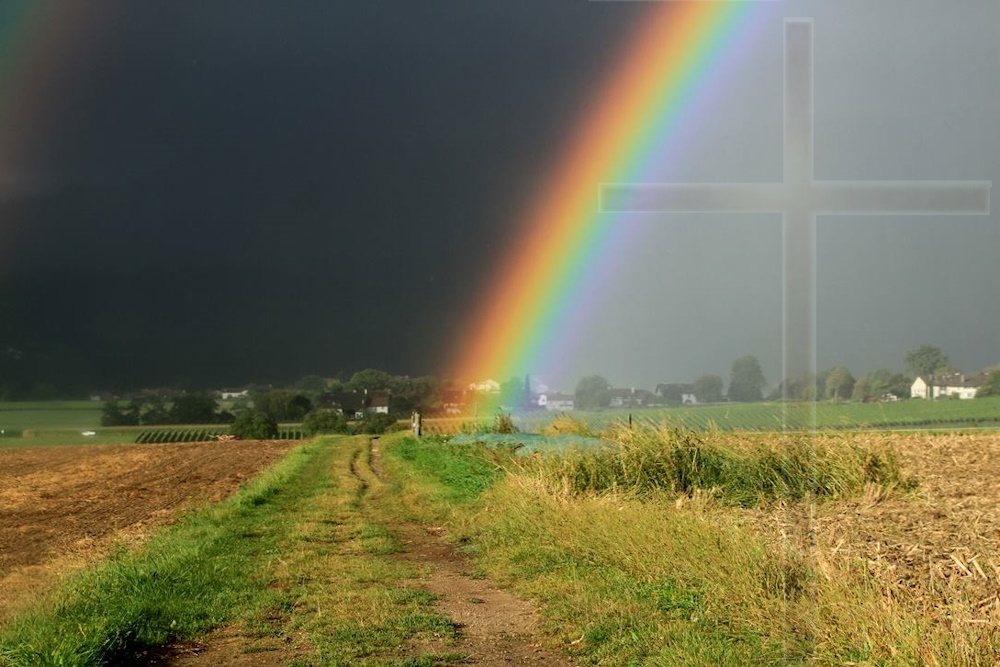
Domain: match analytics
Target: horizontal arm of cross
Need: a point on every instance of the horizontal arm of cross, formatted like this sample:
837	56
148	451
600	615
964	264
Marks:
821	197
901	197
694	197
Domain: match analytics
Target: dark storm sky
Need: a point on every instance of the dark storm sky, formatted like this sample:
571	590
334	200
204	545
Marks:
254	190
222	192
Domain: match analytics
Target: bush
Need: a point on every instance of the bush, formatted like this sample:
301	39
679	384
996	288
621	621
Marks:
114	414
504	423
324	421
375	424
255	425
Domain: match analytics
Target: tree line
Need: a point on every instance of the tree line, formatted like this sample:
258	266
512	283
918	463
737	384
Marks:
747	383
314	401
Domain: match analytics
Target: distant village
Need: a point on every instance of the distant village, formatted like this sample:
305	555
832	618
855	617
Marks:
458	401
373	394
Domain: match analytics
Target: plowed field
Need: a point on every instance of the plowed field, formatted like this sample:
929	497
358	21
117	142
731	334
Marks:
66	502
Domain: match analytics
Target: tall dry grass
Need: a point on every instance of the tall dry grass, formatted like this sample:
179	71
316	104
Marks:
737	470
646	551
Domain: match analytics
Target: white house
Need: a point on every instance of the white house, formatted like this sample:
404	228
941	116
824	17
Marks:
677	390
378	403
556	402
954	384
232	394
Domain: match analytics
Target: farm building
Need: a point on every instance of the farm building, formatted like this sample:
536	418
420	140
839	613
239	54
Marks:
955	384
378	403
352	404
233	393
629	398
453	401
556	402
677	392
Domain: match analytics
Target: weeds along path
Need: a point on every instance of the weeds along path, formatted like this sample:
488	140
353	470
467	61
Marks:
494	627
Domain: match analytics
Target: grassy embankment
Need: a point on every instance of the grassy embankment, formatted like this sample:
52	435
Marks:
294	562
644	553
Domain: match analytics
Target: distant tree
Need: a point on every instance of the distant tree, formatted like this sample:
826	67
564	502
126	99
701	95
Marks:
284	405
376	424
708	388
873	386
151	408
672	394
194	408
512	393
324	421
407	394
114	414
592	392
298	408
311	385
861	391
899	385
746	380
927	361
839	383
255	425
370	379
806	387
991	387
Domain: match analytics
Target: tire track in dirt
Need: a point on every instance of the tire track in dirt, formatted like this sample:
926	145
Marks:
495	627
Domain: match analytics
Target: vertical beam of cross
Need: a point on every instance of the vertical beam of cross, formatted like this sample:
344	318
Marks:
798	277
799	198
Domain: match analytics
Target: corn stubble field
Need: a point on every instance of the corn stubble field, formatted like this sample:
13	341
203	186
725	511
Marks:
662	546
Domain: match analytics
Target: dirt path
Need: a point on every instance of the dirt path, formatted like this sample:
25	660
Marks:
495	626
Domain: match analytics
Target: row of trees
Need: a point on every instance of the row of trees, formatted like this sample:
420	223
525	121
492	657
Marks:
156	408
285	404
747	382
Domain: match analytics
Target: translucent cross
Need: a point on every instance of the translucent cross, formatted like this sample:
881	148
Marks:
800	198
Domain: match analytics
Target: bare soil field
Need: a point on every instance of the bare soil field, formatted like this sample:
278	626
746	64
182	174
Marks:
938	548
60	506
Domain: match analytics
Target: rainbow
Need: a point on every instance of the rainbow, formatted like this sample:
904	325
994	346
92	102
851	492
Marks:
643	114
40	41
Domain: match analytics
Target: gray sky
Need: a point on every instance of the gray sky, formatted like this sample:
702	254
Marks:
903	91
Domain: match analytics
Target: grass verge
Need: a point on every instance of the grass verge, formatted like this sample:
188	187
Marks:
675	575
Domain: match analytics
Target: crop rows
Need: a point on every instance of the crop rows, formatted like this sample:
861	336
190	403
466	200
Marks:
168	435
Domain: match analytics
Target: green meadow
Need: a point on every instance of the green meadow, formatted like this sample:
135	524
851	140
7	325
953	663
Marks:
908	414
26	416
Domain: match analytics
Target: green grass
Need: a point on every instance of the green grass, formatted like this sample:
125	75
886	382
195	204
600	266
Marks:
772	416
461	477
292	557
50	415
667	576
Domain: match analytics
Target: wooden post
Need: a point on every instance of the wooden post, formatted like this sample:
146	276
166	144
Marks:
415	424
